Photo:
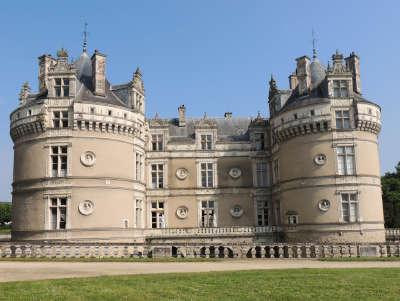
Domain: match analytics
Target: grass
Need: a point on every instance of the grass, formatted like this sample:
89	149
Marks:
301	284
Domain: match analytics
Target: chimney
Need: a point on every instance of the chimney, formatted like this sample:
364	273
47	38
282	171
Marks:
293	81
353	64
181	120
99	73
44	64
228	115
303	74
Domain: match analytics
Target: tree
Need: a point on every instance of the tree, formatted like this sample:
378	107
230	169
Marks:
391	198
5	213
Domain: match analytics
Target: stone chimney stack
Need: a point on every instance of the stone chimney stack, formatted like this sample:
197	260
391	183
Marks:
182	111
293	81
353	64
44	64
99	73
303	74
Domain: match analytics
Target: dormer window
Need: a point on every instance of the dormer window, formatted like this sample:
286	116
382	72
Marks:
157	142
60	119
342	119
61	87
259	141
206	142
340	88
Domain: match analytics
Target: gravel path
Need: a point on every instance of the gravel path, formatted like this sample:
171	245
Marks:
22	271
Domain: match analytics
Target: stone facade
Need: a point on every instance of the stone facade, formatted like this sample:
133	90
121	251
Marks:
89	167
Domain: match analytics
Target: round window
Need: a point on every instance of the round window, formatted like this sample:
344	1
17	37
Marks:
324	205
320	159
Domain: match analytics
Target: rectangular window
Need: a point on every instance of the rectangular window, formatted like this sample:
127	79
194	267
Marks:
261	174
275	170
58	213
138	213
208	214
207	174
157	176
340	89
345	160
342	119
259	140
293	219
262	213
61	87
206	142
139	166
60	119
157	142
59	161
349	207
157	214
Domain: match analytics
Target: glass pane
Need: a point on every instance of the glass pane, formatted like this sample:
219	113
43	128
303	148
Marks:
53	218
58	81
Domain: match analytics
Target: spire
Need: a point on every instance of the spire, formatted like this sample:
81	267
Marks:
85	33
314	42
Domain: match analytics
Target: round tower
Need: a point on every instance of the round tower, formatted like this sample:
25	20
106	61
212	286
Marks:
325	159
78	154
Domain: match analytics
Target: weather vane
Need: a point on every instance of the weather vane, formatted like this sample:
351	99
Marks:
85	33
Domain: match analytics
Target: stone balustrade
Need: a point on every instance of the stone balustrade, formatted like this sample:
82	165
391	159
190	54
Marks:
392	234
220	231
272	251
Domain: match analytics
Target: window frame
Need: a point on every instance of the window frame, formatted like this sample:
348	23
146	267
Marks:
159	211
342	122
62	87
340	88
345	159
59	206
204	219
348	218
200	174
157	142
262	213
157	174
62	120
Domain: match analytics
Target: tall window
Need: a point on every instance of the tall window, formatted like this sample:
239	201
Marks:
342	119
157	214
59	161
259	140
61	87
138	213
206	142
58	213
340	88
349	207
208	214
261	174
293	219
139	166
346	160
60	119
262	213
157	142
207	174
275	170
157	176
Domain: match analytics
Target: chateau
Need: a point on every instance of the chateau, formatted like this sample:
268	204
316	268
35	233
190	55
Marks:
90	167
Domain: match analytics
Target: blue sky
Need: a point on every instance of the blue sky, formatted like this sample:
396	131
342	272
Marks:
213	56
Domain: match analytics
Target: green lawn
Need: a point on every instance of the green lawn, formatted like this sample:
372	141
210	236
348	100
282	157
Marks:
302	284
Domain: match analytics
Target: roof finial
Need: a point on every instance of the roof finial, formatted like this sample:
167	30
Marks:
85	33
314	42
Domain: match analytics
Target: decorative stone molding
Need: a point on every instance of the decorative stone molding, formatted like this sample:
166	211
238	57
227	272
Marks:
182	212
235	172
320	159
86	207
88	158
236	211
182	173
324	205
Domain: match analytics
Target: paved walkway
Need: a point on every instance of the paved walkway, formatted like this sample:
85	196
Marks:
20	271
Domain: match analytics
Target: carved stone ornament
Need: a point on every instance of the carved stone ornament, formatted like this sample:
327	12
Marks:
236	211
86	207
88	158
320	159
182	212
235	173
324	205
182	173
